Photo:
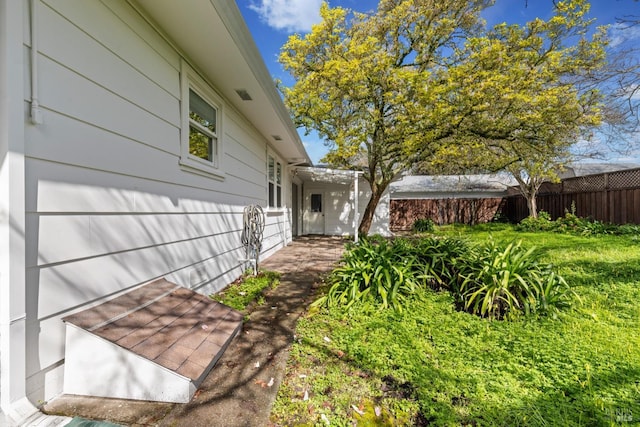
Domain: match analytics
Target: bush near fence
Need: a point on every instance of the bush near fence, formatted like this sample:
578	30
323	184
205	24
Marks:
612	197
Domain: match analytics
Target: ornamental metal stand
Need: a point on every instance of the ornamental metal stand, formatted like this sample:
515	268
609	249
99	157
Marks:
253	227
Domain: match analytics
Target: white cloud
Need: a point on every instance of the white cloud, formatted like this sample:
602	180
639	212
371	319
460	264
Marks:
288	15
621	33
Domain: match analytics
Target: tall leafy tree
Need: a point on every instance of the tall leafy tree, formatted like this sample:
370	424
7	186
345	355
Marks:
522	96
362	79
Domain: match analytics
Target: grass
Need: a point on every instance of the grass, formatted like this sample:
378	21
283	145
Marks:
433	365
247	289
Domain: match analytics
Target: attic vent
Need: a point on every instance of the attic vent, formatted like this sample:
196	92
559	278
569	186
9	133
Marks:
243	94
276	137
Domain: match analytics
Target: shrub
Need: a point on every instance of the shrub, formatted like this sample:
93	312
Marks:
541	223
489	280
377	272
437	261
571	223
423	225
627	229
501	282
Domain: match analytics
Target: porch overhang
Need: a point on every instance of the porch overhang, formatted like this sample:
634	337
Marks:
325	175
336	177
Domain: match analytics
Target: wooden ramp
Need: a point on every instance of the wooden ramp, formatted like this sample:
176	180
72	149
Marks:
157	342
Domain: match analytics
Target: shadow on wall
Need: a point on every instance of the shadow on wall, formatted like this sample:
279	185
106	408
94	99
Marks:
87	241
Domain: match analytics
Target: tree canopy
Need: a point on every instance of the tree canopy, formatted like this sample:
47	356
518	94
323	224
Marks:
423	81
522	96
359	78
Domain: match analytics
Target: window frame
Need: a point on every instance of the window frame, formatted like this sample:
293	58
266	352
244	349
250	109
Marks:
275	181
191	81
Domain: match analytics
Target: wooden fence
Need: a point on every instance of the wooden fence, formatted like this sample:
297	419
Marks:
612	197
404	212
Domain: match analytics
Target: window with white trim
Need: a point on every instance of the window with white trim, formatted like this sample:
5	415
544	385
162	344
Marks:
274	173
203	138
201	144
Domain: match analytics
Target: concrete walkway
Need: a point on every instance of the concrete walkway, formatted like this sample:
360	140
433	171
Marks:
241	388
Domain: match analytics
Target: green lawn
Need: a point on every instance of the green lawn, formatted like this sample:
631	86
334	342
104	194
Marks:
433	365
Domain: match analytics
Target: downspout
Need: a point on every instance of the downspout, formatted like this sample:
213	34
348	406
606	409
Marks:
36	112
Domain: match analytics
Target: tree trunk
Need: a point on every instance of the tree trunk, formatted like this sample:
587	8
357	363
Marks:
532	204
369	211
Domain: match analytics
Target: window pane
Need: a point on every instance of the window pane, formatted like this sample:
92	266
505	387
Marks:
279	174
316	203
201	112
271	195
200	145
271	169
279	196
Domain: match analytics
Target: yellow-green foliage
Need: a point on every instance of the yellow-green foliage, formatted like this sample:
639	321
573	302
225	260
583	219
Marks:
362	80
519	101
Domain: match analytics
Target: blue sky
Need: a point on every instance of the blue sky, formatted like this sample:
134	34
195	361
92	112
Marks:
272	21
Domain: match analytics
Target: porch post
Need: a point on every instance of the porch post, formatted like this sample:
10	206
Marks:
13	318
356	214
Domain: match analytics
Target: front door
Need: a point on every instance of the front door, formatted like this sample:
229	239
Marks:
316	214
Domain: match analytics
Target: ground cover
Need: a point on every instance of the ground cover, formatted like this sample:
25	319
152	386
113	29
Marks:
434	365
247	289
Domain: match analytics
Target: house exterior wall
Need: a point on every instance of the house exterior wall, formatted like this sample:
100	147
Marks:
108	206
12	203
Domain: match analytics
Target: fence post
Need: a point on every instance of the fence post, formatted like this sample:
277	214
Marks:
607	208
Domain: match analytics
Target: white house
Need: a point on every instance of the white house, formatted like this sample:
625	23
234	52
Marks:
132	135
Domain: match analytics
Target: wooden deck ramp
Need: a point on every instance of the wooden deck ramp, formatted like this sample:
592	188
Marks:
157	342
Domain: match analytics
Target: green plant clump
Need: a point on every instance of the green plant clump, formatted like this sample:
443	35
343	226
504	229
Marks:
509	281
246	289
571	223
373	271
423	225
488	280
542	223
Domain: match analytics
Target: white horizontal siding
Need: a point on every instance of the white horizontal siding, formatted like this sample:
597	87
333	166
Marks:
67	140
59	188
77	96
143	48
67	237
62	42
108	205
72	284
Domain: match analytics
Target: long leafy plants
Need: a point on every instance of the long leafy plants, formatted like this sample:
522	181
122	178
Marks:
372	271
506	281
490	280
433	365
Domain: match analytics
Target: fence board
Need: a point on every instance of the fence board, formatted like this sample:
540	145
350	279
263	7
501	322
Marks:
610	197
404	212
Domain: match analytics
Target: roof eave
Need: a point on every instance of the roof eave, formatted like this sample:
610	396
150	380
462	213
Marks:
229	59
